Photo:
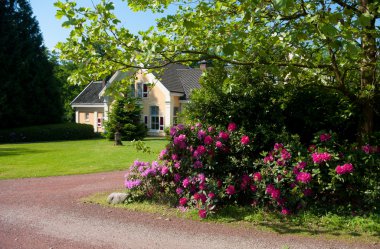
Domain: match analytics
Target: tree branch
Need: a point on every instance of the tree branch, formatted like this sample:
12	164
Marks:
346	5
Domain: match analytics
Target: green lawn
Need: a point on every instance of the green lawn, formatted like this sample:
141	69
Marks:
71	157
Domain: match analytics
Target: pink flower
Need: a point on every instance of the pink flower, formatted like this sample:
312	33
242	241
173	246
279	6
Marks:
175	157
202	213
218	144
321	157
164	170
211	195
162	154
223	135
269	158
244	140
301	165
202	186
198	164
182	201
197	196
177	177
201	134
278	146
198	125
231	127
186	182
285	155
257	177
179	191
230	190
269	189
325	137
344	169
203	198
208	140
177	165
285	211
275	193
304	177
253	188
210	129
219	183
201	150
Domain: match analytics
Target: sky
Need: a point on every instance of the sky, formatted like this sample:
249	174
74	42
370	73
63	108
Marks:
53	33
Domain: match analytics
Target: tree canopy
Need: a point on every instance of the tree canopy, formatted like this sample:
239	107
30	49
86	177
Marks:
333	43
30	95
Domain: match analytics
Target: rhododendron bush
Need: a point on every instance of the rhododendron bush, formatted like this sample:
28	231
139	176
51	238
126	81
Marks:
207	168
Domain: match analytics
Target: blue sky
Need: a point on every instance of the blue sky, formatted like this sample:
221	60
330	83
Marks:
52	31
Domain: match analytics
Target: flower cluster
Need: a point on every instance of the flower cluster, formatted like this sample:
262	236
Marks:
205	167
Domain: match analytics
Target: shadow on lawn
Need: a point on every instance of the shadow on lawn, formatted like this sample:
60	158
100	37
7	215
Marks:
18	151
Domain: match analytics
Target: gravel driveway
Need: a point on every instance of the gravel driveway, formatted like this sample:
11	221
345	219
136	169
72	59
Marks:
43	213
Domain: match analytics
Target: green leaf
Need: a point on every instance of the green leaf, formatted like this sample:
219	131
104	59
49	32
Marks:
365	19
229	49
329	30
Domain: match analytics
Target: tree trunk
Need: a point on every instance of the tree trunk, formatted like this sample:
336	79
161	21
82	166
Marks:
368	75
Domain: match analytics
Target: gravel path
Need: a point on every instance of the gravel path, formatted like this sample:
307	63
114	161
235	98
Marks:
46	213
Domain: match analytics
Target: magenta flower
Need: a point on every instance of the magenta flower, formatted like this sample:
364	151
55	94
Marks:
269	158
244	140
211	195
130	184
257	177
182	201
224	135
366	148
325	137
162	154
196	196
164	170
210	129
285	155
285	211
186	182
308	192
202	213
278	146
269	189
175	157
177	165
208	140
198	164
253	188
321	157
275	193
202	186
230	190
177	177
304	177
201	150
231	127
201	177
301	165
344	169
218	144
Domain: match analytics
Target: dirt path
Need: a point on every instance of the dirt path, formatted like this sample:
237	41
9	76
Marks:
46	213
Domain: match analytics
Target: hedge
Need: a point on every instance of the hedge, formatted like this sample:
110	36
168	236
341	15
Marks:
54	132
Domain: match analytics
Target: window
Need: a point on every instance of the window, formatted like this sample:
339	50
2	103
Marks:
99	122
146	121
132	91
87	116
142	90
154	118
161	123
175	115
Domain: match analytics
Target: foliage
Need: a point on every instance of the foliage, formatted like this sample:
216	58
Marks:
56	132
125	118
62	71
330	43
271	109
207	169
24	160
30	93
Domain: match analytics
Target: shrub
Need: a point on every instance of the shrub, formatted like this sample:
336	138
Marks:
55	132
206	168
125	118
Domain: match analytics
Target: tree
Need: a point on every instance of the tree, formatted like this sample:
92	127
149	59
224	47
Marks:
62	71
30	93
332	43
125	118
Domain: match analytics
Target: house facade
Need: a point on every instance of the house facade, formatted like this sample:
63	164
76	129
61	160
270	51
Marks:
162	97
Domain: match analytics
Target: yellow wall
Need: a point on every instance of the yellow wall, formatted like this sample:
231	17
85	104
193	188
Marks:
91	120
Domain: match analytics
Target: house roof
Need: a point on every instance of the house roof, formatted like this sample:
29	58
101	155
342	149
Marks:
180	79
90	95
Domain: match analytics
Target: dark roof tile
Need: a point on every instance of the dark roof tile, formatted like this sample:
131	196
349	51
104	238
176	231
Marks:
90	95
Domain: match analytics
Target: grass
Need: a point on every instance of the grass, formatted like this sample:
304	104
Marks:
316	223
71	157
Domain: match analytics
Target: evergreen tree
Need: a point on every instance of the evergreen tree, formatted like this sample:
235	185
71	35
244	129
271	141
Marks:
125	118
30	93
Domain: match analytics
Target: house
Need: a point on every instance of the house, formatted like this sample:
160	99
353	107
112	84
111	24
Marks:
162	97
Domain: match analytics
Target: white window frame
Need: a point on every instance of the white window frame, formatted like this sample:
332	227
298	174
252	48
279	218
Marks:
87	116
155	115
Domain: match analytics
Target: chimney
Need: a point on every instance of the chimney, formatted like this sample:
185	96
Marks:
203	65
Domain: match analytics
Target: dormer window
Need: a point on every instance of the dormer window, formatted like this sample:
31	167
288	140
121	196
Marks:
142	90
